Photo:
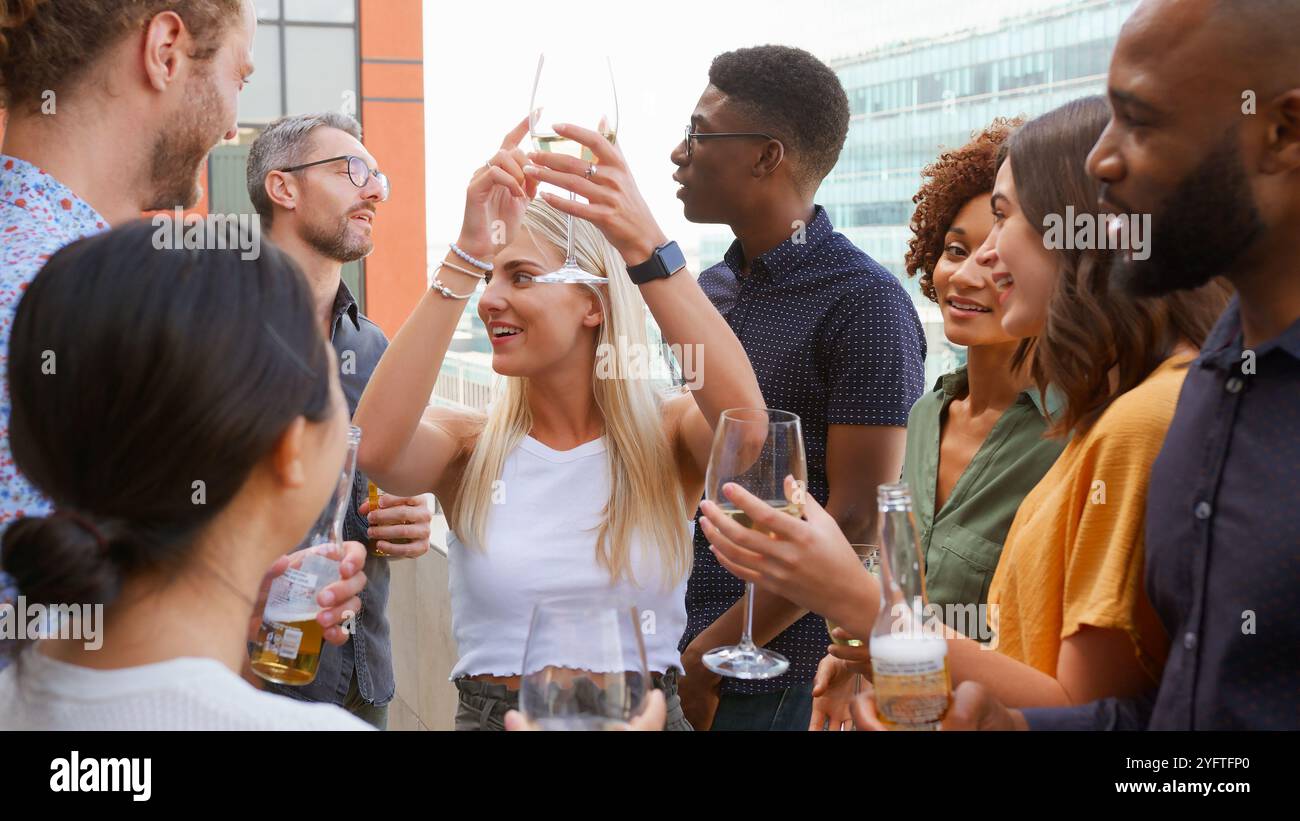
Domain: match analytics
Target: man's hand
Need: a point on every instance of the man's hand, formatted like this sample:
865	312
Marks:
832	692
699	691
399	517
973	707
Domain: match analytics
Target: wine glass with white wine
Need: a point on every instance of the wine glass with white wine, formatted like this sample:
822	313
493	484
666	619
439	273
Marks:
576	89
755	448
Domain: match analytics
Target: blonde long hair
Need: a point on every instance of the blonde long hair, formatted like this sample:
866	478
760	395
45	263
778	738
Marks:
637	447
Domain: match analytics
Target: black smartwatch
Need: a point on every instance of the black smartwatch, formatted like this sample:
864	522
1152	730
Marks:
667	260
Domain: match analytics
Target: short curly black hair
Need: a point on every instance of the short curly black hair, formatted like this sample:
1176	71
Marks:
951	181
796	97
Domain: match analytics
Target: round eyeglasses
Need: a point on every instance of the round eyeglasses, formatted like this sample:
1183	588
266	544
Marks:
358	172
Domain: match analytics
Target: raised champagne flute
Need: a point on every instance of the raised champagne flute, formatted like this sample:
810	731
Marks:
584	665
755	448
577	89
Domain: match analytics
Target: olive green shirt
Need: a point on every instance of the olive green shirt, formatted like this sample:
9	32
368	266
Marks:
962	542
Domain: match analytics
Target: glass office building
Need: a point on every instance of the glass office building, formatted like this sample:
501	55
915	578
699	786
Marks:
909	102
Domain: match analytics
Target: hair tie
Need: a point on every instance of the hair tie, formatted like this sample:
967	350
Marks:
85	525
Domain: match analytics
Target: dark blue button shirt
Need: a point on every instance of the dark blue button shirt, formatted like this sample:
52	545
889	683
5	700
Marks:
1223	548
834	338
368	655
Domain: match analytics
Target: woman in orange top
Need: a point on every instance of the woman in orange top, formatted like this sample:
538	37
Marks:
1072	620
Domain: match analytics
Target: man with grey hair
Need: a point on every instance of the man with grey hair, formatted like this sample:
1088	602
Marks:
316	189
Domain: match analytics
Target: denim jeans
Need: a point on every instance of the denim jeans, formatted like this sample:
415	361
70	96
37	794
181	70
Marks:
789	709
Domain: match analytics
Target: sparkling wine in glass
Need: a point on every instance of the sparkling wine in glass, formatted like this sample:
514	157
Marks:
755	448
576	89
584	665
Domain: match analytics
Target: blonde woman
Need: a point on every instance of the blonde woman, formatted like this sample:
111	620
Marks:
572	483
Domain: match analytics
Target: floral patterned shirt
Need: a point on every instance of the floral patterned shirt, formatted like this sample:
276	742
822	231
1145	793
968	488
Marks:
38	216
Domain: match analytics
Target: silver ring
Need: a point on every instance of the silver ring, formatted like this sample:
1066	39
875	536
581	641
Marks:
591	170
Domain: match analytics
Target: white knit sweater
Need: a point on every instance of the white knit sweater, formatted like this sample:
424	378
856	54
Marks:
179	694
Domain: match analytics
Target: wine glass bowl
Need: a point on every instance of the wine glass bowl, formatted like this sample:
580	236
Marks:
755	448
574	88
584	665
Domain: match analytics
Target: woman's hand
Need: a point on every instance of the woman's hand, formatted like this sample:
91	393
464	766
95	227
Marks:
810	562
614	204
496	198
338	601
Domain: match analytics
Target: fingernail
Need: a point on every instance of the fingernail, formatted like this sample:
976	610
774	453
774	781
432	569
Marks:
370	517
530	169
327	597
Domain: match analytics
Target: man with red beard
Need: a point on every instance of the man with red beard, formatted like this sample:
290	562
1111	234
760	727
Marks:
112	109
316	189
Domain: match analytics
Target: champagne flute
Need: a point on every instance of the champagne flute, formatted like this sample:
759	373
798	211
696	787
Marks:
578	89
584	665
755	448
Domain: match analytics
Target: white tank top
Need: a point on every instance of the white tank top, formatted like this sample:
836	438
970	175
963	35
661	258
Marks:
541	538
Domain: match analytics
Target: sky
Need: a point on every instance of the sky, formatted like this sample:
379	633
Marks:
480	58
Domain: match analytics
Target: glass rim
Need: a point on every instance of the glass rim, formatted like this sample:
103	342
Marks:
579	603
774	416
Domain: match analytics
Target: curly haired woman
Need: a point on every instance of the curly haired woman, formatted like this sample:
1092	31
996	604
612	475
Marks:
975	443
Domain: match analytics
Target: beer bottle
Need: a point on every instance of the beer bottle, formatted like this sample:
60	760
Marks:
909	658
289	641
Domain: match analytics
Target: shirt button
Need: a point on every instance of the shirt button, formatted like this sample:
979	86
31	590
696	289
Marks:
1189	641
1234	384
1203	510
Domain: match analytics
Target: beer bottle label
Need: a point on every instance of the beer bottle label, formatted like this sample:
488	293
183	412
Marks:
294	591
290	641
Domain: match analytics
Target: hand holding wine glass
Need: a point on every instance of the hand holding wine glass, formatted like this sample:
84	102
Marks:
758	452
496	198
614	203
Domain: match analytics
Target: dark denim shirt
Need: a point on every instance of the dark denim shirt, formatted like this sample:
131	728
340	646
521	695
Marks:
359	344
1223	548
834	338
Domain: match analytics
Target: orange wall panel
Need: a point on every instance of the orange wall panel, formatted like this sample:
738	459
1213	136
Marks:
392	113
392	29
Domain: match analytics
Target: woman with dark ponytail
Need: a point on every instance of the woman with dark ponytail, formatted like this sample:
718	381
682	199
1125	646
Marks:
182	411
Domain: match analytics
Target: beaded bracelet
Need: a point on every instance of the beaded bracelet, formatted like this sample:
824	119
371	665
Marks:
453	266
447	292
486	266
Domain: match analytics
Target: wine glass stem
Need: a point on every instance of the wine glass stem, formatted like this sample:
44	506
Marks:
746	639
570	260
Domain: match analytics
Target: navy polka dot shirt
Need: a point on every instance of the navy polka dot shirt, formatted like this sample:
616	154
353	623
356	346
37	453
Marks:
834	338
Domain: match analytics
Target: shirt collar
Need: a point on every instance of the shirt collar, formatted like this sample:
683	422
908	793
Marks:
955	384
1223	347
25	185
345	302
791	256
